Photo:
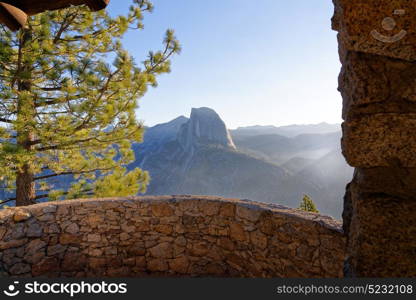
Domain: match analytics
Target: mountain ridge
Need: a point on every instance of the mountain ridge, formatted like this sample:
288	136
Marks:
288	130
199	155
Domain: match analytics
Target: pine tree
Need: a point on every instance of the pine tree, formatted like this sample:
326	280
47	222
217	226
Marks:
308	205
68	95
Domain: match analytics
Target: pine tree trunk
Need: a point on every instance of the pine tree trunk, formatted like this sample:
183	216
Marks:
25	188
25	183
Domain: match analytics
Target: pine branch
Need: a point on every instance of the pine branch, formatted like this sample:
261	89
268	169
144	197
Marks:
36	198
3	120
7	201
69	18
53	101
71	173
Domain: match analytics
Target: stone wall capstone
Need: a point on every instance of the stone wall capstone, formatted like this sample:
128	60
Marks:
177	236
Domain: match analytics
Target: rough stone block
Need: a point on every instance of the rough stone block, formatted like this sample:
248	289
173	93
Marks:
247	213
382	27
163	250
179	265
162	210
380	140
66	239
21	215
374	252
20	268
372	84
12	244
46	266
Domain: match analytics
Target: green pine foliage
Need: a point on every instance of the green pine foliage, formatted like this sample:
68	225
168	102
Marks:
308	205
68	95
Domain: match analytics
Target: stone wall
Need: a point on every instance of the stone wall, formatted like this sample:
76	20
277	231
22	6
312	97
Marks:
377	42
168	236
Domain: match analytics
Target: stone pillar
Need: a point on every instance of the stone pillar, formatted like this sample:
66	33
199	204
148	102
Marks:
377	45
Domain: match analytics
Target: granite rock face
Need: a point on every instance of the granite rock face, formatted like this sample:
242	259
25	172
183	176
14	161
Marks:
204	127
174	236
377	42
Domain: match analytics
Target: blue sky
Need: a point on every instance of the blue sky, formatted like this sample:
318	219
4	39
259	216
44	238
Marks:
265	62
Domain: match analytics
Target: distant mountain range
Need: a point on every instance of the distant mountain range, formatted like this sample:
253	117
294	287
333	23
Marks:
198	155
280	149
288	131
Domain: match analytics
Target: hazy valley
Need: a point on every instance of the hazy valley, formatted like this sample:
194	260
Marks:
199	155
